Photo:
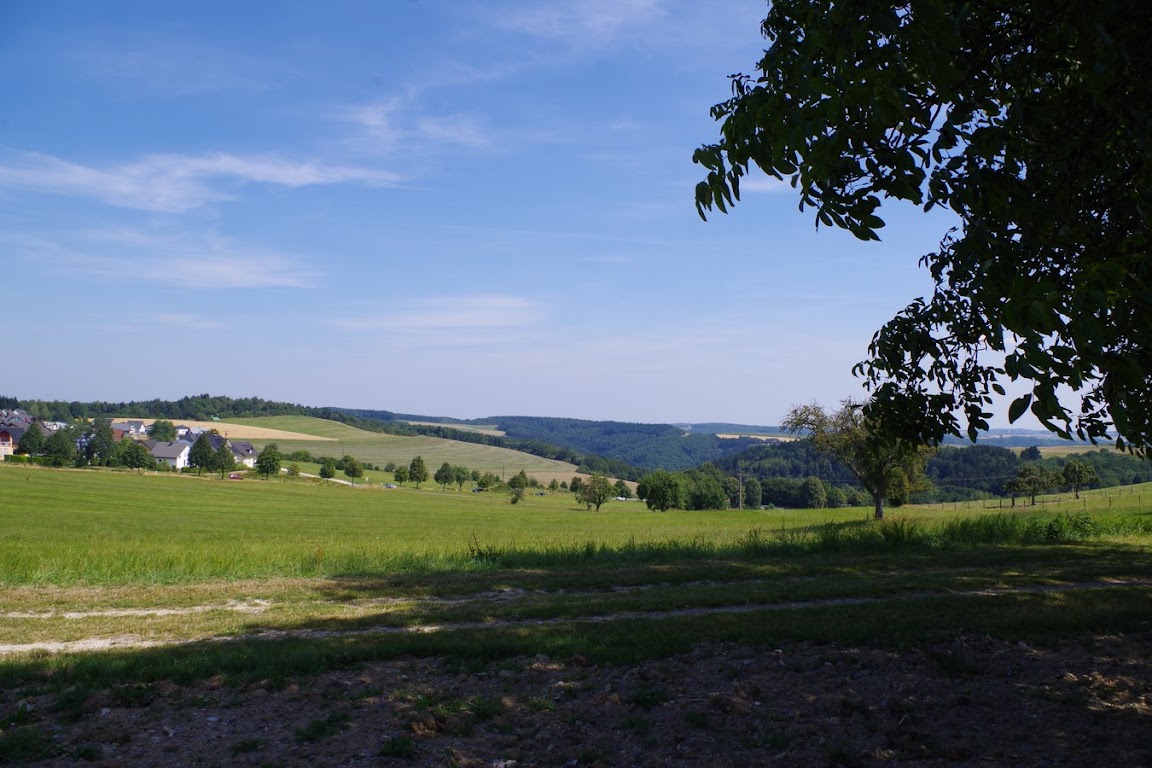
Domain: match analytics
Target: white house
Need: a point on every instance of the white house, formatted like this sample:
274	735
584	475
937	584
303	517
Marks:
174	454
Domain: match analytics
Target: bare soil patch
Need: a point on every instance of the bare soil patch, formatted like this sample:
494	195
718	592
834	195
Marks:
960	701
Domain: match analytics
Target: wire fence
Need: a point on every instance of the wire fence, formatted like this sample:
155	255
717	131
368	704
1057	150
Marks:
1116	498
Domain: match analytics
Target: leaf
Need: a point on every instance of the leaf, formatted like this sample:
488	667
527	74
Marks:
1018	407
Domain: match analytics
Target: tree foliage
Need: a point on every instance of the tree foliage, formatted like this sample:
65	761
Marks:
163	430
1030	121
224	460
268	462
202	456
60	447
595	491
353	468
887	470
443	475
1078	474
417	470
1031	479
32	441
134	455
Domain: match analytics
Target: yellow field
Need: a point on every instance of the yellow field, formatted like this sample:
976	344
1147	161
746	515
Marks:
238	431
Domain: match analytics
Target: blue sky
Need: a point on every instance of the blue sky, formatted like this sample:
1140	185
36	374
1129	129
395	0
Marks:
426	206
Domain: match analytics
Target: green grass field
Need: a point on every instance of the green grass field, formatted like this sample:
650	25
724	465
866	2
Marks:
177	559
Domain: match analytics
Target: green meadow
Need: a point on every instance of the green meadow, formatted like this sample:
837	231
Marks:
186	561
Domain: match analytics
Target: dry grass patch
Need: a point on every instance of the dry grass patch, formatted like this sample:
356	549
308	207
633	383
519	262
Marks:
238	431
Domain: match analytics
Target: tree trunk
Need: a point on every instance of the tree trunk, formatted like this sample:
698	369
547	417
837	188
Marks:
878	500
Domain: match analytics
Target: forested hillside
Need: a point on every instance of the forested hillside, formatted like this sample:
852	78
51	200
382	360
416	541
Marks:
648	446
955	473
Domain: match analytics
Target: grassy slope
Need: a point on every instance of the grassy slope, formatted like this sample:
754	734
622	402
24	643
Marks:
342	559
380	448
66	527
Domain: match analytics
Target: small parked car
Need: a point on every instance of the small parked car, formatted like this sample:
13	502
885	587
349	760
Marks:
235	476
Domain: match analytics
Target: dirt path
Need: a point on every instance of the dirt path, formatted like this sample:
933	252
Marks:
260	606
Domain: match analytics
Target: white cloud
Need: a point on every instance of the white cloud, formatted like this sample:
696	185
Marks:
451	320
389	126
174	183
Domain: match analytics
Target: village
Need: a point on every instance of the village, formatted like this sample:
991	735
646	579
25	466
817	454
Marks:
130	443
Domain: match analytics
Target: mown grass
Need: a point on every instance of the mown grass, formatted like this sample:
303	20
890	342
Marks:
1036	618
368	566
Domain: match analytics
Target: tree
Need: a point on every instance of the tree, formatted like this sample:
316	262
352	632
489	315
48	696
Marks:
461	475
1030	480
60	447
753	492
400	475
576	485
595	491
887	469
1078	474
417	472
32	441
101	445
134	455
622	489
224	460
519	480
353	468
293	470
268	462
202	456
328	468
661	490
813	495
707	492
163	430
1029	121
553	485
443	475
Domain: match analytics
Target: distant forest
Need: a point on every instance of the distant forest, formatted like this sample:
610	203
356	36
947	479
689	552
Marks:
955	473
627	450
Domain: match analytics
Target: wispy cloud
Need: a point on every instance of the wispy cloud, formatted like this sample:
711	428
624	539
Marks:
174	183
579	22
394	125
195	261
188	322
453	320
765	185
173	68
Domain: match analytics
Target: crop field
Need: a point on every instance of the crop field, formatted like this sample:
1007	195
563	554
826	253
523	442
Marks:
115	579
336	439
